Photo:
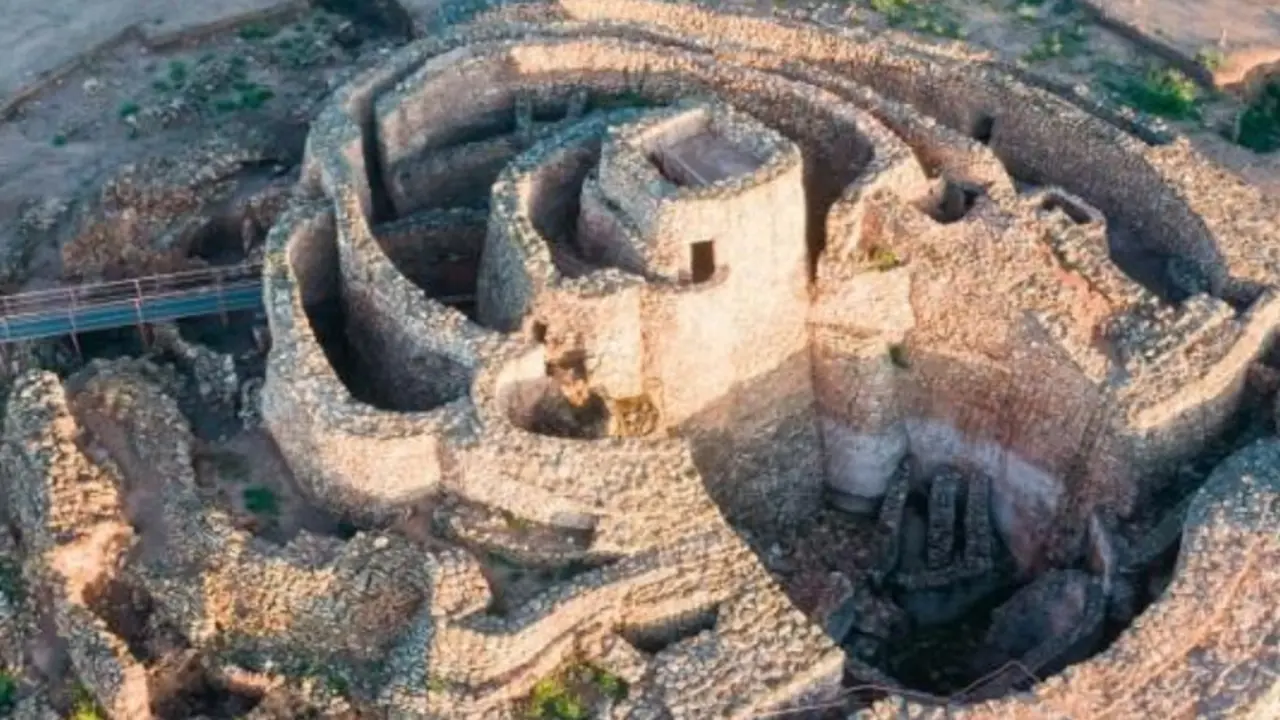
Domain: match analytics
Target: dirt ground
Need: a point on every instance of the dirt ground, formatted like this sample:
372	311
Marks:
1241	35
41	37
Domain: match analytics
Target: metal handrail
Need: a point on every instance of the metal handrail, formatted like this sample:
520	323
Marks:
156	298
193	279
128	301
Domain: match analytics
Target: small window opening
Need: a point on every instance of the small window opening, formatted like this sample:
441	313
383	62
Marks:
703	260
983	129
539	332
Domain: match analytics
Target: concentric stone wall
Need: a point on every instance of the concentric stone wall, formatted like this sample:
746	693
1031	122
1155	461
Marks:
880	288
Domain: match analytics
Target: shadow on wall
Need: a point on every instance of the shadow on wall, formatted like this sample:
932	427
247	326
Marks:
439	252
759	450
314	259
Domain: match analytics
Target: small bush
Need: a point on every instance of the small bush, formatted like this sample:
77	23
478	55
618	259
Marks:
129	108
609	685
85	707
1258	126
256	31
254	96
931	18
882	258
1165	92
261	501
177	73
8	691
1211	58
1059	42
551	700
11	581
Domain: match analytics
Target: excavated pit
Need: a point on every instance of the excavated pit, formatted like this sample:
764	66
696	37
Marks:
950	611
246	476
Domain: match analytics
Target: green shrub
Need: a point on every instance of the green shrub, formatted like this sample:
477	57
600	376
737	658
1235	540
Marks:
933	18
85	707
261	501
551	700
1166	92
8	691
882	258
256	31
11	580
1258	126
609	685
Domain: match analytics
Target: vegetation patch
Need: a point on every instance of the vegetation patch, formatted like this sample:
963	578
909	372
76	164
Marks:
930	18
1068	41
8	691
1166	92
85	707
300	49
1211	58
11	586
1257	127
881	259
256	31
261	501
573	693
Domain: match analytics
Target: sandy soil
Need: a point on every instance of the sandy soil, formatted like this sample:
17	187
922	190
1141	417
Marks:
130	104
43	37
1241	35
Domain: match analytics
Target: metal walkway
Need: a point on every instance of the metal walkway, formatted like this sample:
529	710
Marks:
153	299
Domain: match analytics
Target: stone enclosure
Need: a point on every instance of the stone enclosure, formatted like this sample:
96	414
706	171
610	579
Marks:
631	294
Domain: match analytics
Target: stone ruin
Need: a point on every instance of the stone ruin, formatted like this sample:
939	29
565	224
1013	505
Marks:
626	295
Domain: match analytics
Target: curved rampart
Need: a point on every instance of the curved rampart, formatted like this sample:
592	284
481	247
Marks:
875	286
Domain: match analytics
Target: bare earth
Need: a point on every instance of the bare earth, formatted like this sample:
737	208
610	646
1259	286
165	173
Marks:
1245	32
41	37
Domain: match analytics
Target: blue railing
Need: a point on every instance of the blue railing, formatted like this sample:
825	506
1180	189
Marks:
160	298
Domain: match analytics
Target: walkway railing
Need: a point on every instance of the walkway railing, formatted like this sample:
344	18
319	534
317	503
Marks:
153	299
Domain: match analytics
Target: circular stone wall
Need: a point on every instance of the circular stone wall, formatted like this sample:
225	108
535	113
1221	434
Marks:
821	267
